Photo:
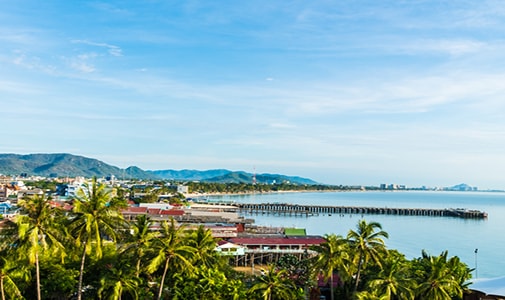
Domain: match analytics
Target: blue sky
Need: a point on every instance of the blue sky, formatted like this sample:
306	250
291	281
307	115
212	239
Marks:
342	92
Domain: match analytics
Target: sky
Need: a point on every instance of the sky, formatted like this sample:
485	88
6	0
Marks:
341	92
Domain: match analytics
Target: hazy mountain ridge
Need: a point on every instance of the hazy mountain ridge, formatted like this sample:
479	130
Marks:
227	176
61	165
64	164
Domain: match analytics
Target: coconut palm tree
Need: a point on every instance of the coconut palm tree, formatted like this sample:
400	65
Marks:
333	256
204	244
10	268
140	240
38	229
393	281
209	284
171	251
95	217
118	280
276	285
368	244
439	280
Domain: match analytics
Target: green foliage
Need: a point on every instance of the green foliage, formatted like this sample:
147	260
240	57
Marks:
275	285
333	261
208	283
368	245
94	254
171	253
12	274
57	281
441	278
46	185
39	232
96	216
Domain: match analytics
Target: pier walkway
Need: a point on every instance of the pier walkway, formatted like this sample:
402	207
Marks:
309	210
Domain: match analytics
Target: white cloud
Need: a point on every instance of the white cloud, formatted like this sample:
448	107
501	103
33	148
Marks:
111	49
82	66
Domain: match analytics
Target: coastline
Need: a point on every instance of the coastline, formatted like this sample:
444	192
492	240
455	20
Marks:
198	195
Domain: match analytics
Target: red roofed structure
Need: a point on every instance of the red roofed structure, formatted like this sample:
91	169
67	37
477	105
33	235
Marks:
154	213
268	249
267	242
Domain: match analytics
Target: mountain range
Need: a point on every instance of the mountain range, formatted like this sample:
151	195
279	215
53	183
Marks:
69	165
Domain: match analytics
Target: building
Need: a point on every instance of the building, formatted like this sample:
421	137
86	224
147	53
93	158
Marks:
267	249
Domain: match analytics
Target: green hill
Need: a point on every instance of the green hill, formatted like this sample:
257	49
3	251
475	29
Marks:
69	165
62	165
226	176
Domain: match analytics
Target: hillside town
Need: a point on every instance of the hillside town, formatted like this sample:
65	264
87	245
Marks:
246	247
251	244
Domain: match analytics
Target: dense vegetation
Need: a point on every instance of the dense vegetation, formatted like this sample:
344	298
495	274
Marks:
207	187
93	253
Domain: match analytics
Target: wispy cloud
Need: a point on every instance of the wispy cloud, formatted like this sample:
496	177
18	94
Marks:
81	66
111	49
32	62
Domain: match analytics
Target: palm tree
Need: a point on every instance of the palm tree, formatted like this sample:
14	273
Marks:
141	240
333	254
9	269
393	281
37	231
171	251
207	283
118	280
439	281
204	244
368	244
95	216
275	284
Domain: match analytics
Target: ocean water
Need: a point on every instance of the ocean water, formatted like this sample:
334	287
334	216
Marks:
409	234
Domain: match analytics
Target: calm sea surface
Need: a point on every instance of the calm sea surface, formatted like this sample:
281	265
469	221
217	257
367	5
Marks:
409	234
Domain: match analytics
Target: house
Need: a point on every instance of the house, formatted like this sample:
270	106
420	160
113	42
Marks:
183	189
5	207
267	249
295	244
9	191
229	249
29	193
7	210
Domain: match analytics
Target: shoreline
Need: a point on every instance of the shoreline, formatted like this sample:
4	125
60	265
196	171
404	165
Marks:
197	195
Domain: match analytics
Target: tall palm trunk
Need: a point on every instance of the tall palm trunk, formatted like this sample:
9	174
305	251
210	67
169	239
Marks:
137	272
2	287
160	292
331	284
37	270
81	271
360	264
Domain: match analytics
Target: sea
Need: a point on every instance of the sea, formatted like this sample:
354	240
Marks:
480	243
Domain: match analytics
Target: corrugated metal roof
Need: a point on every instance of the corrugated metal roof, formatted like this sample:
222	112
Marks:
309	240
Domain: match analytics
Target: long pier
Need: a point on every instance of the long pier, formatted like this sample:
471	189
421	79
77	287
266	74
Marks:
309	210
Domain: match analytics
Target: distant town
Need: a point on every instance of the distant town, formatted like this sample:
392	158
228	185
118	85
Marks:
13	188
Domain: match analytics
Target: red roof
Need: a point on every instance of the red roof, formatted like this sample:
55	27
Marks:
172	212
309	240
154	211
137	210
